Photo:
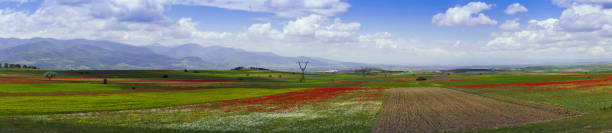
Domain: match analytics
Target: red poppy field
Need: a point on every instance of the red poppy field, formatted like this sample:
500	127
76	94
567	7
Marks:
291	100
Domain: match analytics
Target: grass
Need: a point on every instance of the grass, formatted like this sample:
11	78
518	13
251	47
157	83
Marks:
592	101
155	104
594	122
80	103
57	87
349	112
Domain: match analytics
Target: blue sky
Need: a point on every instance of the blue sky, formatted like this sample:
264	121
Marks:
409	32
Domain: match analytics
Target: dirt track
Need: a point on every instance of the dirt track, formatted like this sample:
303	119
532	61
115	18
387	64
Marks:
427	109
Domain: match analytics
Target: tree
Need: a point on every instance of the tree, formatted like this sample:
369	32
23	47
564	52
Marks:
303	68
364	71
49	75
385	72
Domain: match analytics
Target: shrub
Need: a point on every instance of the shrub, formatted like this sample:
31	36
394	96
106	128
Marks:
49	75
165	76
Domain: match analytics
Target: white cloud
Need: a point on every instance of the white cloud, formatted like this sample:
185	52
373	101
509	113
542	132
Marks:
510	25
597	50
17	1
282	8
568	3
320	27
134	22
515	8
585	17
582	31
457	44
463	15
538	34
380	40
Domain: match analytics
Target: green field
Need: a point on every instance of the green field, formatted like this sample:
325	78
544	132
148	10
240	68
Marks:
272	101
57	87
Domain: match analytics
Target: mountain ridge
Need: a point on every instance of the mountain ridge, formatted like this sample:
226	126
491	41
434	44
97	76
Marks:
50	53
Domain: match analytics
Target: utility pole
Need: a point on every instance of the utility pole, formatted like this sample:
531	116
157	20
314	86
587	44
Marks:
303	68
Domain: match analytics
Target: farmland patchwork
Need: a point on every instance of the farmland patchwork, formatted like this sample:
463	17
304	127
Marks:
269	101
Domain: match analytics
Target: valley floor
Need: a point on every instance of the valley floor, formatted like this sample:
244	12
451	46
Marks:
269	101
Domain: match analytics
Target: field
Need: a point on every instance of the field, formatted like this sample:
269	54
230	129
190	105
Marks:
426	109
274	101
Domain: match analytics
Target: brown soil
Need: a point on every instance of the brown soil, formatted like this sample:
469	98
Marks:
429	109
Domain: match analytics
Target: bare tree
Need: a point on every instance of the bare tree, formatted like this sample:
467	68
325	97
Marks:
49	75
303	68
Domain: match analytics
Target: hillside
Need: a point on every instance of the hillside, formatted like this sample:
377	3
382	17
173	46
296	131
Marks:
84	54
569	68
233	57
89	54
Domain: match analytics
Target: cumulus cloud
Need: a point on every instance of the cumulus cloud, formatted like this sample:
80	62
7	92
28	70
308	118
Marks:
135	22
582	30
515	8
320	27
282	8
585	17
464	15
510	25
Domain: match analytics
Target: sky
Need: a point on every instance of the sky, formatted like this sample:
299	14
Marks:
406	32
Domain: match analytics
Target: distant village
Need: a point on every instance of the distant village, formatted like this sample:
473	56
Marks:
7	65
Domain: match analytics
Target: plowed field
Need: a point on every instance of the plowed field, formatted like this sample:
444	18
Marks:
427	109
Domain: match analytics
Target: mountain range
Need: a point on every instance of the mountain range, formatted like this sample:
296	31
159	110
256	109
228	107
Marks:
79	54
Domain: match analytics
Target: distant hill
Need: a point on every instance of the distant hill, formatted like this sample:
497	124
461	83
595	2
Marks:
237	57
88	54
569	68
